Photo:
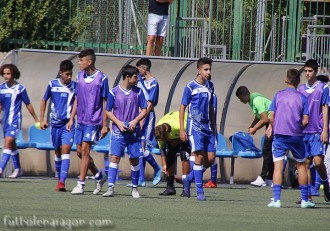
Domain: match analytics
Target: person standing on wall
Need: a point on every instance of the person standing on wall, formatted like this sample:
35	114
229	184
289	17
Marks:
157	25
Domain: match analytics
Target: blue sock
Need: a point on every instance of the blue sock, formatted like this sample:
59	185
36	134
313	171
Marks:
190	176
277	192
58	163
142	165
214	172
198	174
135	171
5	158
151	160
98	176
317	181
15	159
106	164
309	189
112	174
304	192
65	167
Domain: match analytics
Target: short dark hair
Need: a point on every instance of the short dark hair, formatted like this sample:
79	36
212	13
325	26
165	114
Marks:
66	65
88	52
293	77
312	63
204	60
129	70
161	133
323	78
13	69
242	90
145	62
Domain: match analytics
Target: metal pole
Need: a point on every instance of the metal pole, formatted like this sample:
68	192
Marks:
176	37
260	30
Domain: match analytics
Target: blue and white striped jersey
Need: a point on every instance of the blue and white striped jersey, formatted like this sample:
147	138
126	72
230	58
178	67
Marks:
197	98
150	89
11	101
62	98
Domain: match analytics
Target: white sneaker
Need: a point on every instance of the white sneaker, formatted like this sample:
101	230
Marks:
269	183
16	173
108	193
259	182
99	184
135	193
78	190
307	204
274	204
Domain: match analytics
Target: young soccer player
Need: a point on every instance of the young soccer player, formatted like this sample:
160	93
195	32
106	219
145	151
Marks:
126	107
62	92
200	131
288	117
89	105
12	94
316	132
167	133
150	89
259	105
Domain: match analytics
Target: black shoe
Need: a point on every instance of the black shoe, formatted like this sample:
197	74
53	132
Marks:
326	193
169	191
183	194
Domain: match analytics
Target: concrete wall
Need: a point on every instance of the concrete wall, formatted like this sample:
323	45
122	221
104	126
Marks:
38	67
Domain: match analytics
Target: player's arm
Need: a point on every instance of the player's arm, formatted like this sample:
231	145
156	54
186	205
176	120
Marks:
325	134
262	122
183	134
254	122
305	120
141	116
105	127
32	112
73	114
43	123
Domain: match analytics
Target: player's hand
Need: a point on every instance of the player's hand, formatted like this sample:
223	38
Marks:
122	127
183	135
43	125
69	125
104	131
251	131
164	167
269	131
132	126
324	137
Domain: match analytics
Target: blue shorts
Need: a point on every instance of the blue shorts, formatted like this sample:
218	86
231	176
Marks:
283	143
157	24
87	133
313	145
61	136
148	128
201	142
119	141
11	131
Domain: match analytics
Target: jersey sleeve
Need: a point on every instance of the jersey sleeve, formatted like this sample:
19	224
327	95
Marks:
272	106
259	106
305	105
186	96
48	92
110	101
142	100
154	93
325	95
25	97
104	87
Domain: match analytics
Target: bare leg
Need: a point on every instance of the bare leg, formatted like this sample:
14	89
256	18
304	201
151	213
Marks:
150	45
